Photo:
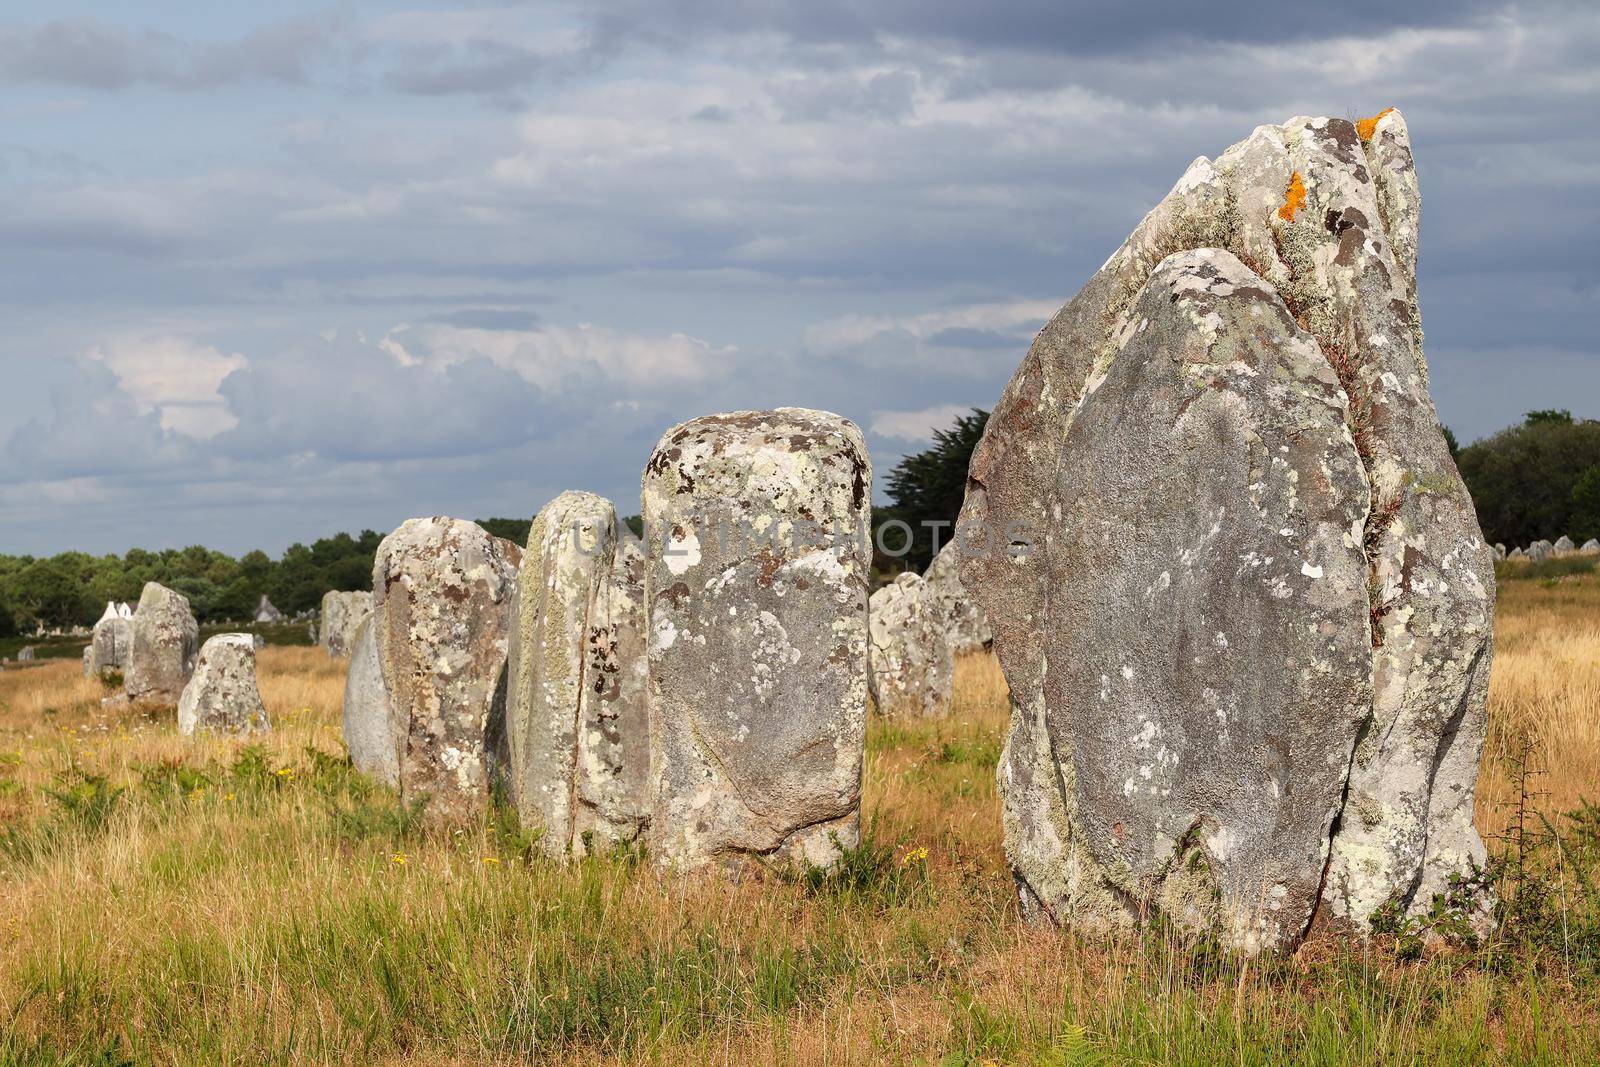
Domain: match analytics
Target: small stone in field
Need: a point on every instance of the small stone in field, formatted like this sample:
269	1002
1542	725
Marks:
369	723
221	697
164	642
911	662
758	548
442	606
342	615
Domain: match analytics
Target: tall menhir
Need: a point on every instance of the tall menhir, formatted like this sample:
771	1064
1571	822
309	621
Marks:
1238	588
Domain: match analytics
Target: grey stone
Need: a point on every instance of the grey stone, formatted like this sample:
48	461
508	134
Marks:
1563	546
758	550
442	604
221	697
111	643
266	612
1517	553
25	654
88	661
164	642
1180	504
1591	547
912	667
965	625
577	722
1539	551
342	615
370	733
1499	550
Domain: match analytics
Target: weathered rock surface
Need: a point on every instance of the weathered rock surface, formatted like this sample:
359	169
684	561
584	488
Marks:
1223	541
1563	546
758	548
1540	551
221	697
966	627
442	614
342	615
912	668
369	721
1517	553
162	647
1591	547
111	643
577	721
88	661
1499	550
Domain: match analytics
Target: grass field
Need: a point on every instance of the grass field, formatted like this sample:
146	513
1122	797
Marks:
164	902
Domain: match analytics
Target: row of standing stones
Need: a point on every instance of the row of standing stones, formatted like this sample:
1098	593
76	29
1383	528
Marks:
1540	551
1235	583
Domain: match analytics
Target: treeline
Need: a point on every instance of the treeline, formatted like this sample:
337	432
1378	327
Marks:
1539	479
72	588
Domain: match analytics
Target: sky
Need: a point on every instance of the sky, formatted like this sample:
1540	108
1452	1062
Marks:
269	272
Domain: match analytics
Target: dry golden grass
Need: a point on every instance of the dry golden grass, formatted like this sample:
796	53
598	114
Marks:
285	911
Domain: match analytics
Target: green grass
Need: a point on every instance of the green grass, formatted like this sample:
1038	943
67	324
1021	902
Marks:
180	903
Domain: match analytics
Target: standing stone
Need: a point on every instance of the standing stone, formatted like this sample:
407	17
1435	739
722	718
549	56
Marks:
577	721
369	721
965	626
758	547
1221	541
88	661
912	668
1499	550
26	654
266	612
1539	551
1517	553
1563	546
161	652
442	603
1590	547
342	615
112	641
222	697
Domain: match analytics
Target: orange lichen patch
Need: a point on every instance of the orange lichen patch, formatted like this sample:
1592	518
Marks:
1367	127
1294	198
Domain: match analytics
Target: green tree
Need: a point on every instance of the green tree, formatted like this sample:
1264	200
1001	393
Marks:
1523	479
511	529
927	489
1450	442
1586	505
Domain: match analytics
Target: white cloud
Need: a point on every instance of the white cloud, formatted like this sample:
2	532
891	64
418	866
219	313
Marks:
916	426
558	358
176	378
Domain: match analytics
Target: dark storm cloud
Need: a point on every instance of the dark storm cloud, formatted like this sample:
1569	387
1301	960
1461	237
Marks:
1073	28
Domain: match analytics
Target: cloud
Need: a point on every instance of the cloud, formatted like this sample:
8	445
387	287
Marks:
870	208
563	359
915	427
175	377
344	400
90	54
